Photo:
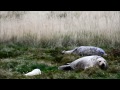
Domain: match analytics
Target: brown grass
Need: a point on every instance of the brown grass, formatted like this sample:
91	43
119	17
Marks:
86	27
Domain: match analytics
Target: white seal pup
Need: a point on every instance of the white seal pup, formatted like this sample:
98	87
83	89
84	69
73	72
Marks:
33	72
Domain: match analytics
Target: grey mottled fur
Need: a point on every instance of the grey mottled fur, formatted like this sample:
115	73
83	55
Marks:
86	51
85	62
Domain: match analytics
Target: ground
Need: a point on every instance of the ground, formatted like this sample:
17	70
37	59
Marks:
16	60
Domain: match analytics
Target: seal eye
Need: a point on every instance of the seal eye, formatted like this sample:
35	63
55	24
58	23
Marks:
99	61
101	52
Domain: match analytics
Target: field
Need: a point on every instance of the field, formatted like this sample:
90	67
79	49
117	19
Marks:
35	39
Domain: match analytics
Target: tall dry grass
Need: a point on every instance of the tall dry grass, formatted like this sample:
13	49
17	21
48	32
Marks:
61	28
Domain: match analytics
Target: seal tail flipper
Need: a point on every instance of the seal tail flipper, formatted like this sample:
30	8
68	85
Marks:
65	67
68	63
69	51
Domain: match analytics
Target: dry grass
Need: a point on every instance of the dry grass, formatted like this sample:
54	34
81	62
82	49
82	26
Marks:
60	28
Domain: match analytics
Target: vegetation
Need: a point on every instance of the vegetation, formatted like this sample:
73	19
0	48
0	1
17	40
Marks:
30	40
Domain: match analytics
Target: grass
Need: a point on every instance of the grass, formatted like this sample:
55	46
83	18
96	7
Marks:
33	39
14	66
65	28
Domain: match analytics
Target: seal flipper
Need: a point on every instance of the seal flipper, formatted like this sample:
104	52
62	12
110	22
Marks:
65	67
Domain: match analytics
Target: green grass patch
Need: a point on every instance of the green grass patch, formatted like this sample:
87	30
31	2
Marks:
18	59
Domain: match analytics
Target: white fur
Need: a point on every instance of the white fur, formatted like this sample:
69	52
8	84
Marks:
85	62
33	72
